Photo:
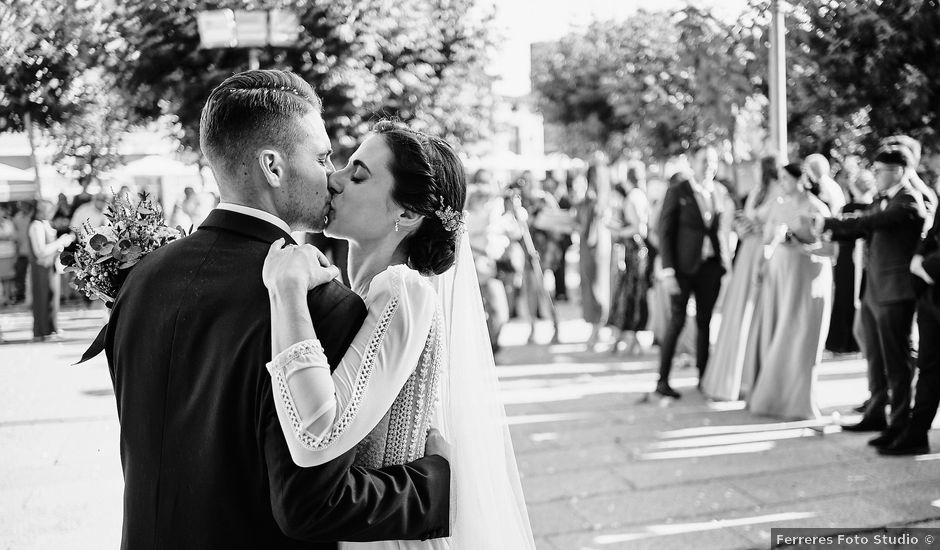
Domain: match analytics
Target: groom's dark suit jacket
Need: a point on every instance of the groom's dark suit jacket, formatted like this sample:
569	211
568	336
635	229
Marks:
205	462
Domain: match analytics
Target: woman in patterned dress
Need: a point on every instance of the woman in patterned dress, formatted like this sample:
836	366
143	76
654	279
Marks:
421	358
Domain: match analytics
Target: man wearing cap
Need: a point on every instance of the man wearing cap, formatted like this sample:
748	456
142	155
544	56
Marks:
892	228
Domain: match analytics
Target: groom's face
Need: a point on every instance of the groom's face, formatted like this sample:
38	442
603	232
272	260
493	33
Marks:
305	199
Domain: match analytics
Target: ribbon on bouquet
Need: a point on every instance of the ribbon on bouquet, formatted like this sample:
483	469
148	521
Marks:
96	347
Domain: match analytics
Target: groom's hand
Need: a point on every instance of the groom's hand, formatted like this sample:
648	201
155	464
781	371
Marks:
437	445
296	267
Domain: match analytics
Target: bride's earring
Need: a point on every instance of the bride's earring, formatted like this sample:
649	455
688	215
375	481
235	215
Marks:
396	226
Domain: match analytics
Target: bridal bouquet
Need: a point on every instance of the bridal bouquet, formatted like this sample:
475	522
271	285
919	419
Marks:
101	256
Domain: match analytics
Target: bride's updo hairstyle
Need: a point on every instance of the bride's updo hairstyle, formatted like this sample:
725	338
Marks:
429	180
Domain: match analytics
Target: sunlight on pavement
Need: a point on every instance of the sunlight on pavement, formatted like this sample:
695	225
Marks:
680	528
727	439
921	458
718	450
737	429
540	418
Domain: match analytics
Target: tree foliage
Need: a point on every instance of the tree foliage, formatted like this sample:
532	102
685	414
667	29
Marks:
657	82
46	46
365	58
856	72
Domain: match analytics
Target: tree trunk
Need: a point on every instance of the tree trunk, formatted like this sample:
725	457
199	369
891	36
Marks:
28	125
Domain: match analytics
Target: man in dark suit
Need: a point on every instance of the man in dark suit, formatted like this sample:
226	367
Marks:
205	462
892	229
695	255
926	266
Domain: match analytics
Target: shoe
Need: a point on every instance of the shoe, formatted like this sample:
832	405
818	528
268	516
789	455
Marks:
863	407
867	425
884	440
906	444
665	390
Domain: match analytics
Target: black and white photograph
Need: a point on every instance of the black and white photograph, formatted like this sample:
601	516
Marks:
469	274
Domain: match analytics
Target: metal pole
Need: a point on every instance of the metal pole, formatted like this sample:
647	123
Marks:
28	126
778	83
254	61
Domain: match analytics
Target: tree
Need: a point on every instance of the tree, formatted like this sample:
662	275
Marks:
87	143
45	48
365	58
616	85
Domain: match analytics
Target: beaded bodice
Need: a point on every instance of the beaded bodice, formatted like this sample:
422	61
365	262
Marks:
400	436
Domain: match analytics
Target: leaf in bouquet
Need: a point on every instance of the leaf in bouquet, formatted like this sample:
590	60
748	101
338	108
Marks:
134	250
98	242
103	259
117	253
129	262
67	257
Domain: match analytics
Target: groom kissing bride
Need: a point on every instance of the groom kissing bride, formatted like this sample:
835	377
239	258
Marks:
265	405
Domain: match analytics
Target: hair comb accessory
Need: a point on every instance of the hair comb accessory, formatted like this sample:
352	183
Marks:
452	220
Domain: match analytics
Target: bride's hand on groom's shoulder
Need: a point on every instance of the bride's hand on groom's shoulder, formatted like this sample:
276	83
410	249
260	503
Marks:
296	268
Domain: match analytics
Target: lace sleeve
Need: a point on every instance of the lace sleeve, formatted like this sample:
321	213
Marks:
323	416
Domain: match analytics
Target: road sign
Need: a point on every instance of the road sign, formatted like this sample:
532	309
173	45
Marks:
283	28
216	29
251	28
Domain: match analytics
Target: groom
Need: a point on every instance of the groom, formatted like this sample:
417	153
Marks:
205	462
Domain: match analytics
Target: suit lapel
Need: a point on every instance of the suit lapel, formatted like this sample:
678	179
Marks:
244	225
690	191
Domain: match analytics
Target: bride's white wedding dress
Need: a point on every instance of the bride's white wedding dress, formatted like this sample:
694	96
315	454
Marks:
422	340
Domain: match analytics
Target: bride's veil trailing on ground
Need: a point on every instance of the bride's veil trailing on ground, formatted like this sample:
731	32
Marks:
487	504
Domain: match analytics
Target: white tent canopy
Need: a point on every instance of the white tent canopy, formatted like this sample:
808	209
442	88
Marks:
156	165
11	173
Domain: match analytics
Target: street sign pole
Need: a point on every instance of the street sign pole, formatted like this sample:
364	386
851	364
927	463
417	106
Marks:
778	83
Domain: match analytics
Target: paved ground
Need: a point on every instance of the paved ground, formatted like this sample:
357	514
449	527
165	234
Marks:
602	469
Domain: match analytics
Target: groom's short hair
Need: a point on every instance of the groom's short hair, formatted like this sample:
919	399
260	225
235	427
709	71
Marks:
251	108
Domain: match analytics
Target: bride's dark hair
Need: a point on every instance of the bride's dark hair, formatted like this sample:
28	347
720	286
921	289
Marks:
429	178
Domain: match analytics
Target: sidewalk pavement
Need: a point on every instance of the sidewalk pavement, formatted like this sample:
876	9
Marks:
603	467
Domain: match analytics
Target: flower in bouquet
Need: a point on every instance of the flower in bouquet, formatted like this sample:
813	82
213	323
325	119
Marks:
102	256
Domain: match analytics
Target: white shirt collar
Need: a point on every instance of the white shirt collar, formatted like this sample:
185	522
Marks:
255	213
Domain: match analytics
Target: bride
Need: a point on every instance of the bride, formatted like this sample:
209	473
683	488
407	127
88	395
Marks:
422	358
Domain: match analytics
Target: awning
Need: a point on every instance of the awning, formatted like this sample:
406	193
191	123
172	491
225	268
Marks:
16	184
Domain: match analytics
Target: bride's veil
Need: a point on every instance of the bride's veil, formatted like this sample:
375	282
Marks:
487	504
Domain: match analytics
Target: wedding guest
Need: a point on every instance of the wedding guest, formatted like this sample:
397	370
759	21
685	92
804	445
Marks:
560	191
629	310
63	215
695	254
795	298
45	281
818	172
21	220
848	271
914	148
489	238
892	229
731	367
91	212
594	248
925	265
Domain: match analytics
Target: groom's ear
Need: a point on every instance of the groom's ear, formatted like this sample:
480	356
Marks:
272	166
408	219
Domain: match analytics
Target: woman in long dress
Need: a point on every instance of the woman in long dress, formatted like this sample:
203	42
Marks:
422	356
594	249
847	271
730	373
796	297
629	309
